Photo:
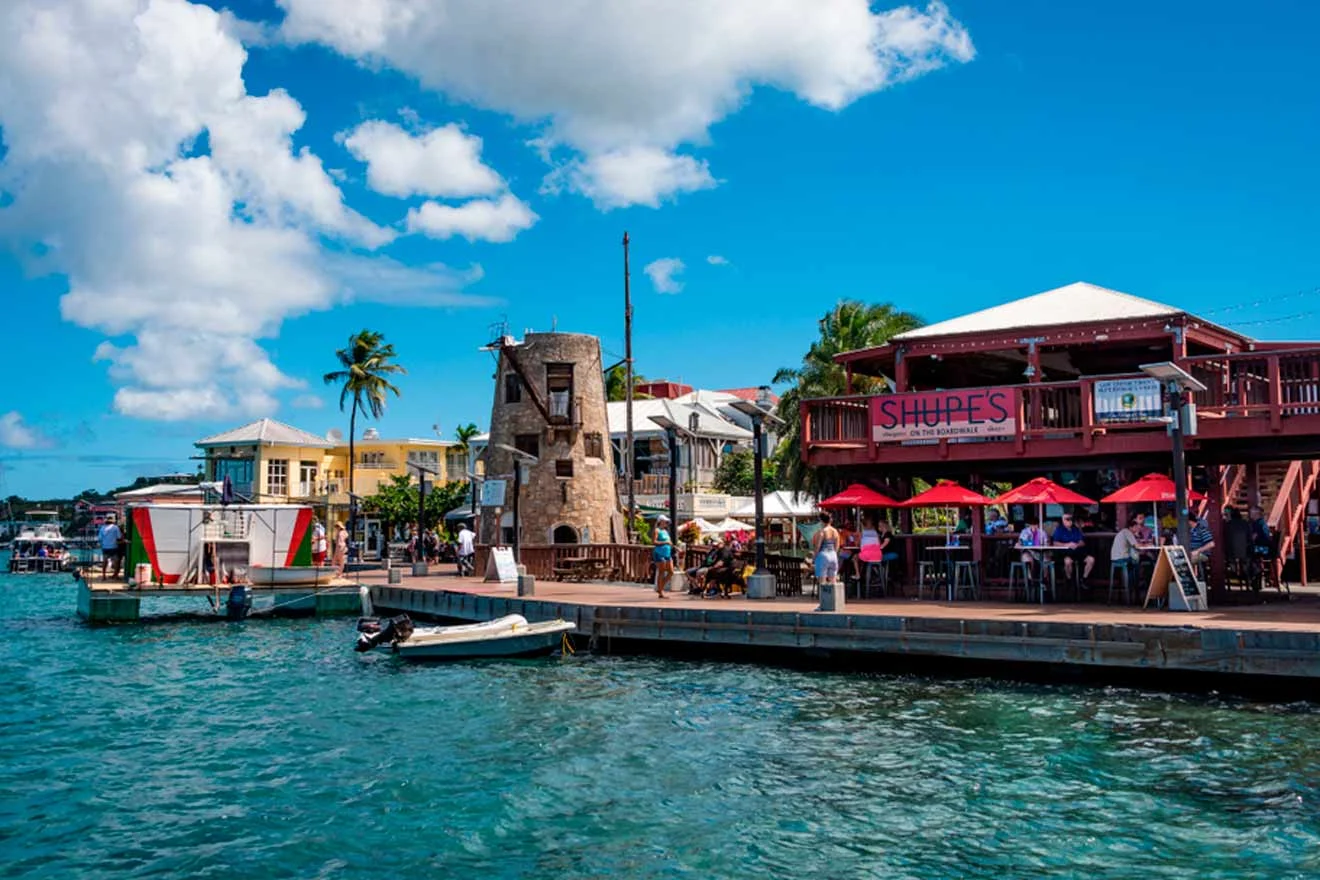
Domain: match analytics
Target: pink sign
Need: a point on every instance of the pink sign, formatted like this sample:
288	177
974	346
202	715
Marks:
944	415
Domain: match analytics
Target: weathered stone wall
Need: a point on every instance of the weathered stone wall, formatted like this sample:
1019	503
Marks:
587	501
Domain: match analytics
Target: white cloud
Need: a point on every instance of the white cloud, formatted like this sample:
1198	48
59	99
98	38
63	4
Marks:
637	176
307	401
16	434
444	162
662	272
717	260
633	78
478	220
192	254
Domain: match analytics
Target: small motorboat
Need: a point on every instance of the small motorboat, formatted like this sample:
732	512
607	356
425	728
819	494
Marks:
290	575
508	636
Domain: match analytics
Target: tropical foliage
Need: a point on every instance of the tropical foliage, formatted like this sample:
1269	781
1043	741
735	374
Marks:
616	384
736	474
365	367
848	326
464	435
395	502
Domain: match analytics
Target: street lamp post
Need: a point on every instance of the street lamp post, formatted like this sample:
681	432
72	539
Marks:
419	565
760	585
671	429
518	458
1178	382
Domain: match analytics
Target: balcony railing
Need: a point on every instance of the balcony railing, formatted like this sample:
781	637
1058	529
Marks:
1266	387
378	465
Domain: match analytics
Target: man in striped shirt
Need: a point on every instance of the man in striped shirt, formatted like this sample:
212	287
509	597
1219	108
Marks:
1202	542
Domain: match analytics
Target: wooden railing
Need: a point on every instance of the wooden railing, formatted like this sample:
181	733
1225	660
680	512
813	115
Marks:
1287	516
1268	385
632	562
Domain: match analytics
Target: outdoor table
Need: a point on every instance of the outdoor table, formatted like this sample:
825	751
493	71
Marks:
581	568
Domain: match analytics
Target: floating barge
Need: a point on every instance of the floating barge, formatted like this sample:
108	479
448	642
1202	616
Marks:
1249	649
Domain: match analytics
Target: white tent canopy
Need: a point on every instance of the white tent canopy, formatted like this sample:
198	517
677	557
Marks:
706	527
782	504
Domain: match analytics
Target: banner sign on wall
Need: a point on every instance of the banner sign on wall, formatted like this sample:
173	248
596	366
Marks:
1128	400
944	415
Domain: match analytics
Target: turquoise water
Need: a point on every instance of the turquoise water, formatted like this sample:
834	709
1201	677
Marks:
270	749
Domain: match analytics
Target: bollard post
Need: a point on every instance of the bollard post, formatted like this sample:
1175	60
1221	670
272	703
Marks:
526	585
831	597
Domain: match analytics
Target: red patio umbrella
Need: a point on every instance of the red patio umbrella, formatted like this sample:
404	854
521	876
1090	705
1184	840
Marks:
1150	489
858	495
947	493
1042	491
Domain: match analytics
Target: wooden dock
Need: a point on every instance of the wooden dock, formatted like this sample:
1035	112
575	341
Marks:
111	601
1250	648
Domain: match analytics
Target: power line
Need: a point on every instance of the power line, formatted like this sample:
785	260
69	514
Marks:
1269	300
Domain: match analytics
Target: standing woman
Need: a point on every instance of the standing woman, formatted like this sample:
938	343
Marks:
340	557
663	555
825	547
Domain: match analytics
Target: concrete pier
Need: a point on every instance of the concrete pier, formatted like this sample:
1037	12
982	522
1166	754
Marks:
1274	646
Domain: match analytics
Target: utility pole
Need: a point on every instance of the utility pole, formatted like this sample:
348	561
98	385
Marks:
628	456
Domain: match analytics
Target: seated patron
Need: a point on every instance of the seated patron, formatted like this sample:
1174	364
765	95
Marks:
1032	536
995	523
697	574
1237	537
1201	541
1069	536
1127	541
725	571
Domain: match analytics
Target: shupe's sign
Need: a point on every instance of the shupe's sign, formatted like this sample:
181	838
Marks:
944	415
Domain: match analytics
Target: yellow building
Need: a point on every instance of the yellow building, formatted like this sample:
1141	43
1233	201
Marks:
269	461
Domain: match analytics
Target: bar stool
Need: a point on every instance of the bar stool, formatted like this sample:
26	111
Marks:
874	573
1125	567
1016	570
926	577
965	578
1047	574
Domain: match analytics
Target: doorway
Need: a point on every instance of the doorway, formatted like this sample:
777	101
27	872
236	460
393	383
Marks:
564	534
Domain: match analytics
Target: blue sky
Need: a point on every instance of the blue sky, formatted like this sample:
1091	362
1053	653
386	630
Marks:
989	151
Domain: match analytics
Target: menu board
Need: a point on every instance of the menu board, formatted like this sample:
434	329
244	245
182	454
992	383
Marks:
1175	578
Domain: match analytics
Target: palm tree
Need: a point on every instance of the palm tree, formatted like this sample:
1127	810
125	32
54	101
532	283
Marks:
464	434
848	326
366	363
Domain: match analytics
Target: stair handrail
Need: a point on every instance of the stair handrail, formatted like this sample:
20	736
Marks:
1287	515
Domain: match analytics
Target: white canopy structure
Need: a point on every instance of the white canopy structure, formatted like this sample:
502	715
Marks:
782	504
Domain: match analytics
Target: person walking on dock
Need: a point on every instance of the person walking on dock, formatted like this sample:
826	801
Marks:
319	543
466	550
341	549
111	538
663	554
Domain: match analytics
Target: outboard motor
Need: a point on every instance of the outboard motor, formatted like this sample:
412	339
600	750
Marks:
239	603
391	630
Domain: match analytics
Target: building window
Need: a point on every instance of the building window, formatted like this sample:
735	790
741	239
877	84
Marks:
512	388
593	446
559	388
306	479
277	476
528	443
456	464
564	467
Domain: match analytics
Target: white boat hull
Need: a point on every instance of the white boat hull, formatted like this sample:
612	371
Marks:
510	636
290	576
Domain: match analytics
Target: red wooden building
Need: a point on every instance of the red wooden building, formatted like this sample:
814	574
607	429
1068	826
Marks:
1031	387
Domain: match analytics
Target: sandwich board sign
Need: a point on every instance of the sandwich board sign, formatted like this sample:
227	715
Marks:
500	566
1175	579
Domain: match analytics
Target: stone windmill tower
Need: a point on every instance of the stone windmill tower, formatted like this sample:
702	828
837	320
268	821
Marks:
550	403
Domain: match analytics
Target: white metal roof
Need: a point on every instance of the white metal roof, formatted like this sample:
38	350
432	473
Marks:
181	489
266	431
712	423
1076	303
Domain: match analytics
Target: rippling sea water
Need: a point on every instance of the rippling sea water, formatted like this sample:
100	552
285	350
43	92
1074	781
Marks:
270	749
